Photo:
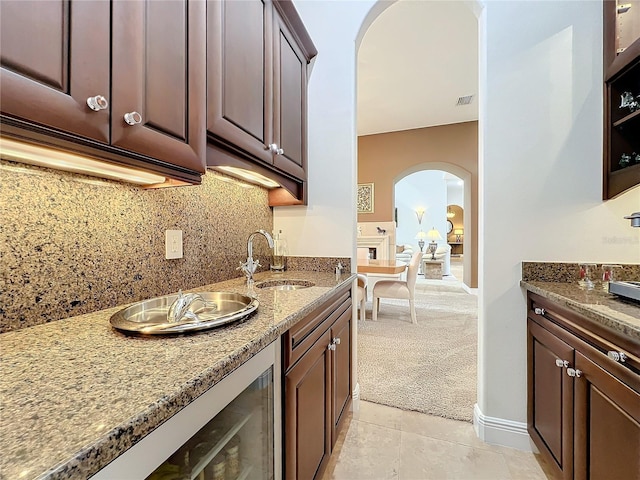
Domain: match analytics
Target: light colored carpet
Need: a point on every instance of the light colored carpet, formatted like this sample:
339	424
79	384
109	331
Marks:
429	367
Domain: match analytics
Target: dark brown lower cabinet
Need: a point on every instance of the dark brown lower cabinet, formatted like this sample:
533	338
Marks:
550	405
608	411
583	406
317	386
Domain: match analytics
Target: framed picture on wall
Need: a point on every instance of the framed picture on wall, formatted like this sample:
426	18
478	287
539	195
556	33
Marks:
365	198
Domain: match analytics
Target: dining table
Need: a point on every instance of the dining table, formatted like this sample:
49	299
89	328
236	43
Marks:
381	267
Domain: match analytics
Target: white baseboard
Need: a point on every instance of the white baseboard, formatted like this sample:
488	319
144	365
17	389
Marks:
472	291
355	398
499	431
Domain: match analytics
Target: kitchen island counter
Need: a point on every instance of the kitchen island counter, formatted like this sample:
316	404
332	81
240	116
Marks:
76	393
596	304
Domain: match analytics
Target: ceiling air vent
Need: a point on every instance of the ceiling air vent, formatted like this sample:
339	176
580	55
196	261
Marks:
464	100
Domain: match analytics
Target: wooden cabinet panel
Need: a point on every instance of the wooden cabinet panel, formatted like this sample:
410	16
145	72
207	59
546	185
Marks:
550	405
239	63
317	368
159	72
290	93
584	417
42	81
340	372
307	390
608	445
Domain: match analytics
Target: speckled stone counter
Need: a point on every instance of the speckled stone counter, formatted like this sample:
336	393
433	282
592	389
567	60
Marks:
75	393
595	304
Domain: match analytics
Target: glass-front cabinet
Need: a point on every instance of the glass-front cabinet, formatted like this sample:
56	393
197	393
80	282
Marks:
237	444
231	432
621	96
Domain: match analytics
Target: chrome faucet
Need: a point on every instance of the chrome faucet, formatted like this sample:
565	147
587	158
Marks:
250	266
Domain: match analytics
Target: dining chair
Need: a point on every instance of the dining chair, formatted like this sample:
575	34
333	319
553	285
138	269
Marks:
362	295
399	288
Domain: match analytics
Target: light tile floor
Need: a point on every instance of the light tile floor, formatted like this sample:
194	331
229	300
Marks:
382	442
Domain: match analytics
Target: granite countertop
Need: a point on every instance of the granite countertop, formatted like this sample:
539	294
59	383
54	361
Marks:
596	304
76	393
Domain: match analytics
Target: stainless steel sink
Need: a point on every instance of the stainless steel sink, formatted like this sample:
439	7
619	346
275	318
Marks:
212	309
284	284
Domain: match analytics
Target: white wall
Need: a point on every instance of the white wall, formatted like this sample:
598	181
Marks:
540	163
426	189
455	193
540	173
327	226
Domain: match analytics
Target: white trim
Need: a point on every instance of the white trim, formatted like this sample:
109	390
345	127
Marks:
472	291
500	431
355	399
146	455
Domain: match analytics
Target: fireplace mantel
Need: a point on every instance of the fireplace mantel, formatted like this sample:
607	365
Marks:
379	242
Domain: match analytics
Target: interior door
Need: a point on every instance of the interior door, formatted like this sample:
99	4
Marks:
55	55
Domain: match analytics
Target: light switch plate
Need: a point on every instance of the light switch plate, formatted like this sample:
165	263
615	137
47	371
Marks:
173	244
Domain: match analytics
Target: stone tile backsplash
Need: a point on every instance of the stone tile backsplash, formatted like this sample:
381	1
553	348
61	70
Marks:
72	244
568	272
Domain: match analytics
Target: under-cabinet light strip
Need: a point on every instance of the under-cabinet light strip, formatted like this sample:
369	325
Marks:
249	176
50	158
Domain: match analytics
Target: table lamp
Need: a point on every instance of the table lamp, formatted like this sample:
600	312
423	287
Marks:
433	235
421	236
458	233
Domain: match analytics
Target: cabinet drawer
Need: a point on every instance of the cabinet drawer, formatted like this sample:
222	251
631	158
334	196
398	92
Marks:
306	332
571	325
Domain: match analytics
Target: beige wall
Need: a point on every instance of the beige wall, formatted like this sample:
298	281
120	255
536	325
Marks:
385	158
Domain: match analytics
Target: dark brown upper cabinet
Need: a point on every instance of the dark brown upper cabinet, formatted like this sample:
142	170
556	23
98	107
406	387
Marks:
257	57
143	60
621	47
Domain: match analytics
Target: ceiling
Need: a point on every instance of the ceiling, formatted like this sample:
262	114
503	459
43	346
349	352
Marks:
415	61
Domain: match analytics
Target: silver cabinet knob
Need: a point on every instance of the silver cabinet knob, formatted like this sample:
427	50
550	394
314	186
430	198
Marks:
332	346
574	372
617	356
133	118
273	148
97	103
562	363
336	340
539	311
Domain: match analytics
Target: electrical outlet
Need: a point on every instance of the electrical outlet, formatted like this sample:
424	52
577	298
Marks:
173	244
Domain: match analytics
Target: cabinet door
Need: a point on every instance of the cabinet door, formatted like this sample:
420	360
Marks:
159	72
290	102
307	418
239	76
55	54
550	403
340	372
608	414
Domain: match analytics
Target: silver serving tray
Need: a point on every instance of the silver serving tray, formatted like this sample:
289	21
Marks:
150	316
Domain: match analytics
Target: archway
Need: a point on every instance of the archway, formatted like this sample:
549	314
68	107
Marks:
470	206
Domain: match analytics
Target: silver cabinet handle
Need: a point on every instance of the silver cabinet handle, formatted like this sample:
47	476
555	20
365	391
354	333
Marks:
574	372
133	118
617	356
273	148
539	311
336	340
97	103
562	363
332	346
